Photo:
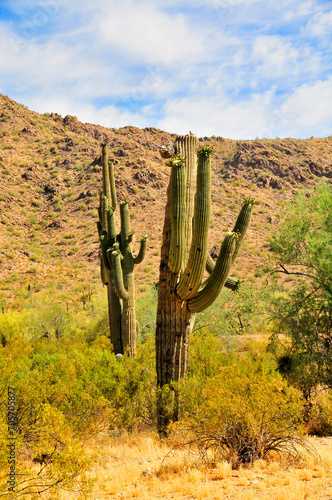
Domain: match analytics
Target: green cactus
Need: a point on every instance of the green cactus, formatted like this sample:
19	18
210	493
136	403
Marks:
117	263
191	279
184	258
178	214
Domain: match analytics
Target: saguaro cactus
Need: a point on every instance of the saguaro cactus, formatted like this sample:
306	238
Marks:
117	263
184	257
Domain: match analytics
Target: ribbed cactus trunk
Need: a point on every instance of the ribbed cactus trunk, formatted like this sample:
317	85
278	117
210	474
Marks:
174	321
184	258
128	312
114	318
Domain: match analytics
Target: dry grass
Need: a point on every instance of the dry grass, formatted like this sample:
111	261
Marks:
130	467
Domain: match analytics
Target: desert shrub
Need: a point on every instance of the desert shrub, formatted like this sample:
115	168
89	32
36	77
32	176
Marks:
59	462
243	413
207	353
319	415
291	366
146	308
43	435
66	390
14	325
69	365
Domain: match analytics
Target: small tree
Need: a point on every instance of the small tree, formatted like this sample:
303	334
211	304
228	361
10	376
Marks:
302	247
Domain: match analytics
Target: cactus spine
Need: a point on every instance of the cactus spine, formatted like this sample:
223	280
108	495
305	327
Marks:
117	263
184	258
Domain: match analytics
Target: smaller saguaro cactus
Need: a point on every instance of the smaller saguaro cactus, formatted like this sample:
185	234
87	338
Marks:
117	263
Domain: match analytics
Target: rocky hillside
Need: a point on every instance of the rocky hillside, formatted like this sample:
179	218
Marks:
51	176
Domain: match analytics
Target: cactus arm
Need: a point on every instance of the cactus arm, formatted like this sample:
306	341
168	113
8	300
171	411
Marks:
142	250
99	228
214	284
112	184
128	321
104	247
231	283
106	174
125	225
128	313
103	274
186	146
191	279
118	275
130	237
100	211
103	212
177	214
210	264
242	223
111	228
115	312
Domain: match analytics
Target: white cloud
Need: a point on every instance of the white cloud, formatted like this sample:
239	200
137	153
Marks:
311	106
108	116
302	113
55	67
150	35
218	115
302	10
273	55
321	24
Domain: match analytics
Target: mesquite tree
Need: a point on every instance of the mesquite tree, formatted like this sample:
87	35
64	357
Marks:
184	256
117	263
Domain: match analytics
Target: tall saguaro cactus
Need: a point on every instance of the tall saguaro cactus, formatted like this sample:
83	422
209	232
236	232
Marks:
184	258
117	263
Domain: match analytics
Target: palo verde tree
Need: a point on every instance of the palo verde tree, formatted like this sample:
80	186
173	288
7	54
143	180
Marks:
184	258
117	263
302	246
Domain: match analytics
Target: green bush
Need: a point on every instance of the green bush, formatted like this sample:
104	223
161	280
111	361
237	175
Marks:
243	413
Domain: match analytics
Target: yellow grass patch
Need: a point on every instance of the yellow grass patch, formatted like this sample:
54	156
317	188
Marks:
131	467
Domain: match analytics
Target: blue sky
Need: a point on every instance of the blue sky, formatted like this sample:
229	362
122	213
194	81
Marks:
236	68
